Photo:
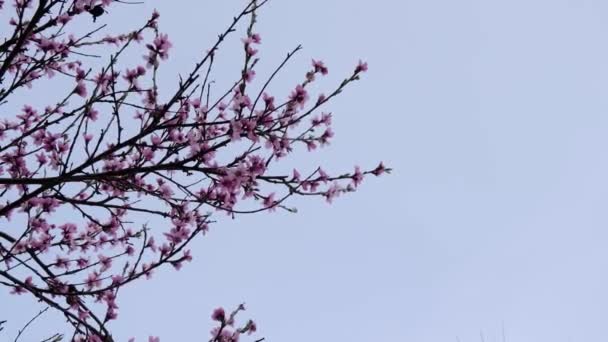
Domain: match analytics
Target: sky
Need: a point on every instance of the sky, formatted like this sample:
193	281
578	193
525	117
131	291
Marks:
492	226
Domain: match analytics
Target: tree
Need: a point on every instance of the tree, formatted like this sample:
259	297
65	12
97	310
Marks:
115	151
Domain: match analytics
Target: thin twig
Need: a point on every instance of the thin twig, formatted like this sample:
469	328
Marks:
30	322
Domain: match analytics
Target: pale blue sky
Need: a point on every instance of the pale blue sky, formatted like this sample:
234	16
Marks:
493	115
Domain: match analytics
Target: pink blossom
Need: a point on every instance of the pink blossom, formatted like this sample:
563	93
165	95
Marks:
28	282
323	176
117	279
320	67
329	133
64	18
380	169
296	176
236	128
310	145
82	262
255	38
61	262
332	192
156	140
299	96
251	327
268	100
83	314
92	114
177	264
165	190
249	75
252	39
187	256
147	154
218	314
321	99
105	263
87	137
251	51
80	75
111	314
81	89
269	202
93	281
357	176
151	244
147	269
130	250
41	157
160	48
361	67
18	290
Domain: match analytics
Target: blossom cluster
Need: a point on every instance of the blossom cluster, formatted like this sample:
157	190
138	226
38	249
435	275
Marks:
77	176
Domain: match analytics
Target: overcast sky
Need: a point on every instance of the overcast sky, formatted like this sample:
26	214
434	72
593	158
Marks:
493	115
